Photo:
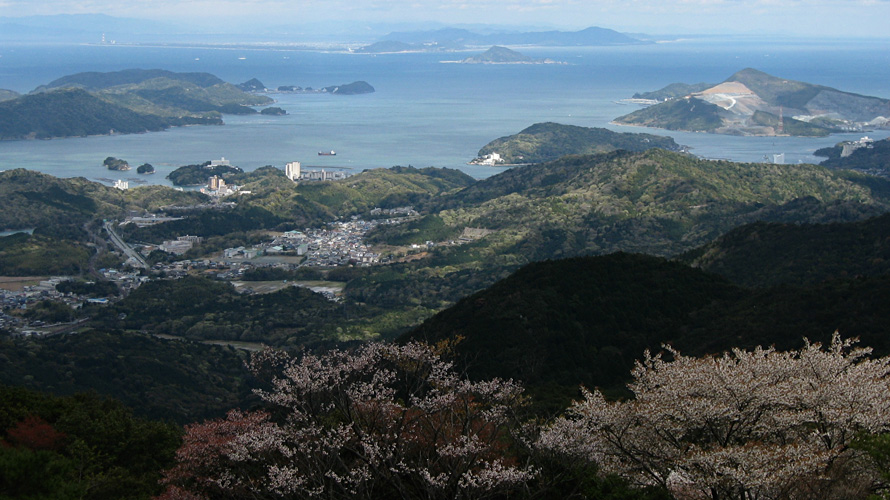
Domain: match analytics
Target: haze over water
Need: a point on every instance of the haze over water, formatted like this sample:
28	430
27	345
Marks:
425	113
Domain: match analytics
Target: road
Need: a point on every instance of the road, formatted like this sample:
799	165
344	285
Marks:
120	243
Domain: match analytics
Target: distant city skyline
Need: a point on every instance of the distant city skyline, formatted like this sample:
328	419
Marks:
851	18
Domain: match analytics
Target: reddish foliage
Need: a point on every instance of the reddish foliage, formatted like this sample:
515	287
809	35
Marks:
35	433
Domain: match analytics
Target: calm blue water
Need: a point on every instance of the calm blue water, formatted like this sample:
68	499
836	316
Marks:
426	113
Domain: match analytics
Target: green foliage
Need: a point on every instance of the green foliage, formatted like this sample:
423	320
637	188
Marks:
427	228
33	200
791	126
67	113
768	254
128	101
195	175
23	254
102	450
38	474
673	91
548	141
273	111
870	159
98	288
877	446
679	114
654	202
97	80
558	324
163	379
314	203
207	223
50	311
201	309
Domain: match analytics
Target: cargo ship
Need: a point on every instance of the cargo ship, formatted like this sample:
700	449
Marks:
327	153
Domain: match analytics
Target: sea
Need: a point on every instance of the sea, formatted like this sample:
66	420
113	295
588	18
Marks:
424	112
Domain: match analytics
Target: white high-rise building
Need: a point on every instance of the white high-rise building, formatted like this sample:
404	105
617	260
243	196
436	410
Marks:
292	170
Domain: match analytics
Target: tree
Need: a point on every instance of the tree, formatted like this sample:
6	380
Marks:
758	424
383	421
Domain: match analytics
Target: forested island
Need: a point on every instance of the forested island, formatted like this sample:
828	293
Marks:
503	55
122	102
548	141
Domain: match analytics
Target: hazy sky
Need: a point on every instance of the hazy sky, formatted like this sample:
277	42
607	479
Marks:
807	17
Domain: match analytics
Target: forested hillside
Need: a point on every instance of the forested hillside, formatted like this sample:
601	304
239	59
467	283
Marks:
549	141
122	102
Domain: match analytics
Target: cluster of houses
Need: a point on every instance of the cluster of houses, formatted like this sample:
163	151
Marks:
338	244
46	290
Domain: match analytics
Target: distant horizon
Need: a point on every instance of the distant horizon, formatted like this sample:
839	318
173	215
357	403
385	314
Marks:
793	18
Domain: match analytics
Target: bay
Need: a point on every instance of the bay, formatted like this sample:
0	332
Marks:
425	113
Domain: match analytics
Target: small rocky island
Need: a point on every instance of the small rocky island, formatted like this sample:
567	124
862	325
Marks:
145	168
117	164
273	111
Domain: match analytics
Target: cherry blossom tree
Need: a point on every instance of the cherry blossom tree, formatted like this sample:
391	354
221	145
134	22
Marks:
758	424
384	421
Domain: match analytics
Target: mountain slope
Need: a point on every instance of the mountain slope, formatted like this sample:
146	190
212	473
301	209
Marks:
73	112
751	102
557	324
94	80
654	202
797	254
30	199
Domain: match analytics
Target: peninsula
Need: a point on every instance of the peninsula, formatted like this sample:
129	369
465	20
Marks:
754	103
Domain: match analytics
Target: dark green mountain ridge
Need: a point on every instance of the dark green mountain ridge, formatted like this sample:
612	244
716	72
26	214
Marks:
557	324
797	254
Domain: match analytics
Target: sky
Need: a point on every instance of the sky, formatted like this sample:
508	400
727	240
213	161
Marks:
849	18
